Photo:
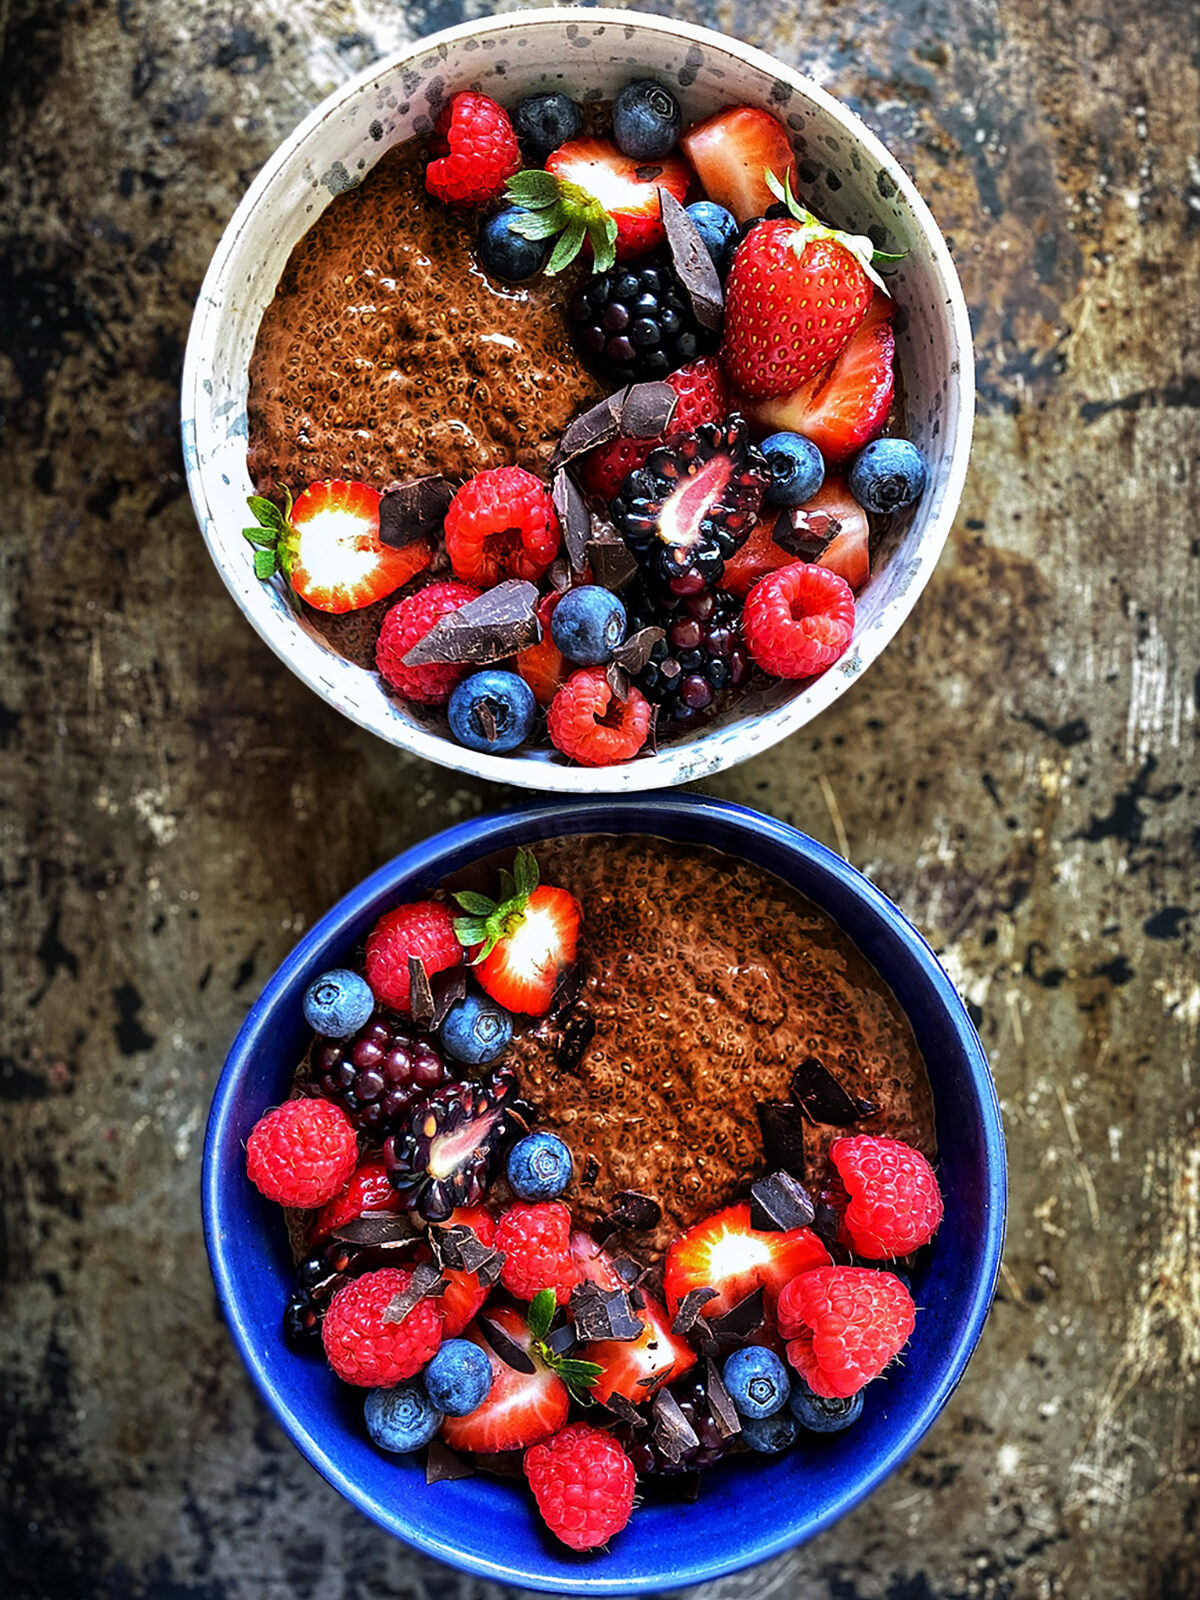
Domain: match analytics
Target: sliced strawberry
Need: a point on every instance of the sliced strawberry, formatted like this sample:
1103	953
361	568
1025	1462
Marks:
758	556
338	562
624	188
638	1368
369	1189
542	665
848	553
702	396
847	403
521	1408
730	151
464	1294
726	1254
594	1262
521	946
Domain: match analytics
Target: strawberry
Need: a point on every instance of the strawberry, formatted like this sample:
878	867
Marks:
327	546
846	404
590	191
730	152
758	556
726	1254
522	944
833	514
543	665
465	1292
521	1407
658	1355
702	396
368	1189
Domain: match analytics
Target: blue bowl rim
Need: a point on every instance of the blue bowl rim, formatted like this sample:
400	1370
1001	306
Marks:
421	863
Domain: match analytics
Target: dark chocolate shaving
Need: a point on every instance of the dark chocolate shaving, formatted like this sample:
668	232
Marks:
596	425
426	1280
604	1314
612	562
635	652
826	1224
625	1410
618	680
461	1249
574	518
635	1210
577	1034
745	1318
413	510
443	1465
628	1270
496	625
805	534
724	1412
449	986
782	1126
509	1352
822	1098
778	1202
559	1340
501	1463
693	265
673	1432
566	989
690	1307
591	1171
647	409
377	1230
420	995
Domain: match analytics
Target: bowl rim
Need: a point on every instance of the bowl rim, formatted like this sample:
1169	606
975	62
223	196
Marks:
424	862
721	746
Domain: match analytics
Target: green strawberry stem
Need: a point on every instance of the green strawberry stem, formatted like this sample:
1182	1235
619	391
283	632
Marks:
557	208
857	244
488	921
579	1376
274	539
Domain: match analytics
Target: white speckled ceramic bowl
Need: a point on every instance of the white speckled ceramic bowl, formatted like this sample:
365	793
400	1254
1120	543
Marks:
848	177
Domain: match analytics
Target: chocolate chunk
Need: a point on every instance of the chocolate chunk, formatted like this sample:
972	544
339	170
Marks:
612	562
690	1307
805	534
449	986
566	989
778	1203
413	510
628	1270
635	652
647	409
596	425
693	265
604	1314
377	1230
420	995
782	1126
591	1171
509	1352
618	680
426	1280
673	1432
577	1034
558	574
826	1224
460	1247
501	1463
560	1340
822	1098
745	1318
574	518
724	1412
625	1409
443	1465
635	1210
497	625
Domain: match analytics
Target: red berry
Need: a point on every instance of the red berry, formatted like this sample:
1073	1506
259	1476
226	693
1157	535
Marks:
363	1347
543	665
844	1324
590	725
732	151
703	397
583	1483
799	620
425	930
368	1189
895	1204
627	189
409	622
302	1153
465	1292
536	1241
476	151
501	524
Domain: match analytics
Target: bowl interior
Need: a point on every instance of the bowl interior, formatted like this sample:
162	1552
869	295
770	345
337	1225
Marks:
847	176
750	1509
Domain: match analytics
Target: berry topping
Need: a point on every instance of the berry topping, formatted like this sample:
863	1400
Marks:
703	396
409	622
402	1418
799	620
588	624
364	1346
797	470
610	197
771	1436
501	524
476	1030
758	556
757	1381
423	931
475	151
888	475
338	1003
539	1167
844	1325
505	252
718	230
522	944
521	1407
693	503
589	724
700	658
821	1414
458	1378
536	1240
492	712
544	121
376	1075
542	665
730	151
302	1153
895	1204
637	323
726	1254
465	1291
700	1415
638	1368
646	120
448	1151
367	1190
583	1483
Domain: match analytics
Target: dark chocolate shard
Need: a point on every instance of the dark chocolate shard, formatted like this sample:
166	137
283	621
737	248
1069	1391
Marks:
577	1034
591	1171
612	562
628	1270
745	1318
574	518
625	1410
501	1463
420	995
560	1340
635	652
558	574
566	989
459	1247
497	625
782	1126
413	510
632	1209
426	1280
443	1465
377	1230
449	986
604	1314
778	1202
724	1412
826	1224
596	425
805	534
647	409
673	1432
822	1098
618	680
690	1307
507	1349
693	265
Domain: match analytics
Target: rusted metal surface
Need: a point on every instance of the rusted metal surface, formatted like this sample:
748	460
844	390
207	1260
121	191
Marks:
1018	772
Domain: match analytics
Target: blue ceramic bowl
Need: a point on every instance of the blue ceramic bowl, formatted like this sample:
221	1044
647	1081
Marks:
750	1509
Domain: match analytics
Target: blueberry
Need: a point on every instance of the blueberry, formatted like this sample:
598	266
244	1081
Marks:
757	1381
539	1167
403	1418
887	475
338	1003
646	120
588	624
797	469
506	254
819	1415
771	1435
544	121
719	231
459	1378
476	1030
492	711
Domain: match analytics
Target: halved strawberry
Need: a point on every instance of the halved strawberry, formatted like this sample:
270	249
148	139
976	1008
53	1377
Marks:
638	1368
522	945
726	1254
730	151
846	403
702	396
369	1189
848	553
758	556
605	181
543	665
464	1294
522	1407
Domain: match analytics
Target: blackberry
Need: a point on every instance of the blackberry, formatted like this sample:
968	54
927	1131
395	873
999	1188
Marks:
448	1150
701	660
377	1074
317	1277
636	322
648	1460
692	505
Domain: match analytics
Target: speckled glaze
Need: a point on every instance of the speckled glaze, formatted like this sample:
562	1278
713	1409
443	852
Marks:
845	171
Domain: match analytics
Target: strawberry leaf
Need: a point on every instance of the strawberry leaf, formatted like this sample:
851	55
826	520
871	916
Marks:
541	1313
526	872
262	538
267	513
266	564
570	243
540	224
533	190
470	931
479	905
580	1377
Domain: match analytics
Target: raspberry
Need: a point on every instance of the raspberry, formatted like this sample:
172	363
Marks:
588	723
583	1483
895	1204
424	930
536	1241
799	620
403	626
501	524
703	397
302	1153
844	1324
475	149
363	1347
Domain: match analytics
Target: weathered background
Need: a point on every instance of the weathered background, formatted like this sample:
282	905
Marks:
1017	772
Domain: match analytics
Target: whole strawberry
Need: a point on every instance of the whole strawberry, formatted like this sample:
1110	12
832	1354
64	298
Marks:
366	1343
895	1204
583	1483
844	1325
